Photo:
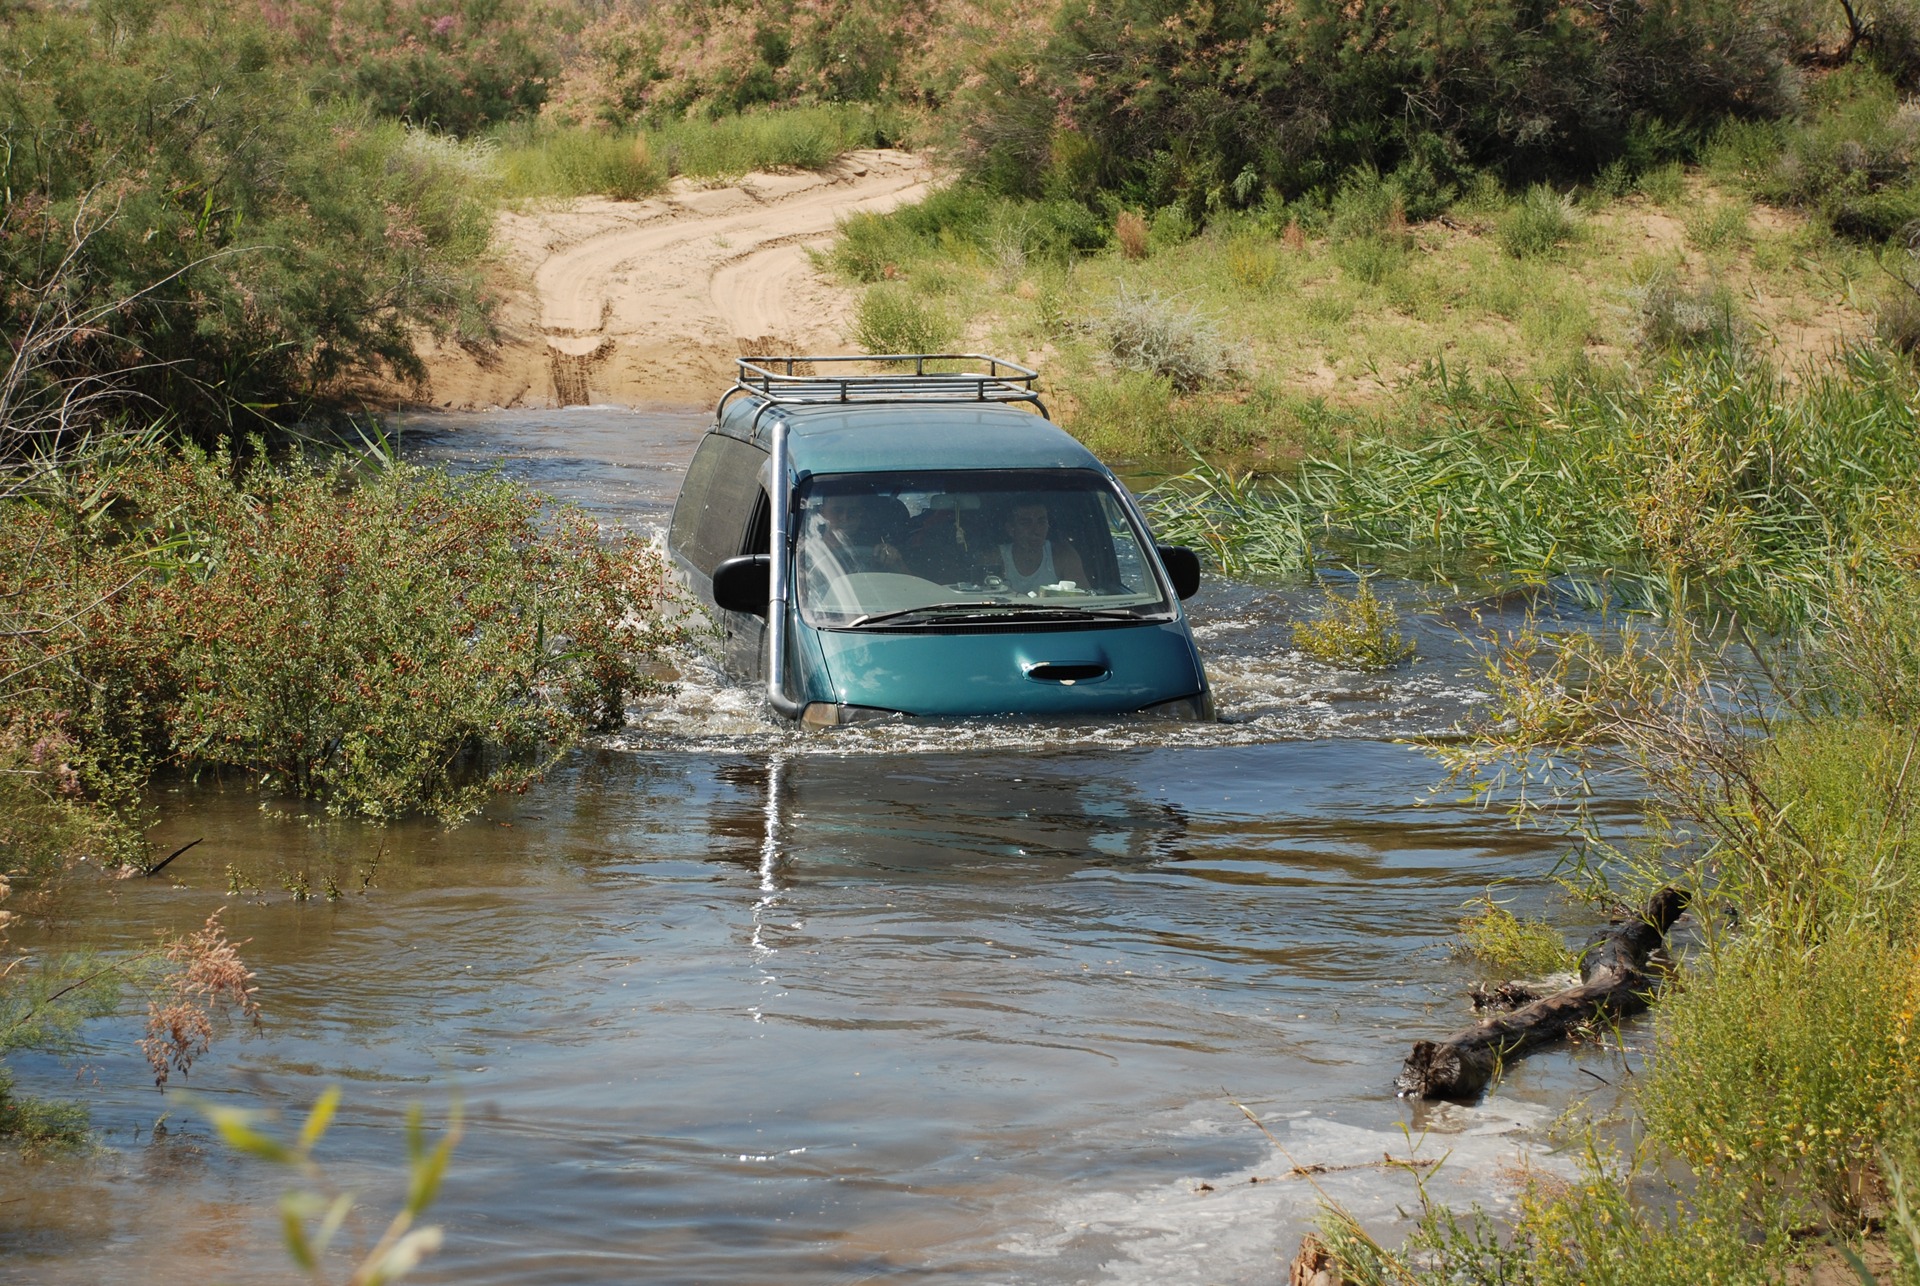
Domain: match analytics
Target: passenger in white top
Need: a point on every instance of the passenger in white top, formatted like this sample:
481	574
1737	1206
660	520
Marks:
1029	560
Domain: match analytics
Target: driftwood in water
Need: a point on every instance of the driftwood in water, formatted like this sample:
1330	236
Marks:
1613	984
1314	1265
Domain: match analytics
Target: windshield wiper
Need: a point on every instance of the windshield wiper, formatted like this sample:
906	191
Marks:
976	609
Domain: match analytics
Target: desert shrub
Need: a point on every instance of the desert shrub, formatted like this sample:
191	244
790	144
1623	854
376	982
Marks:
1155	335
1540	222
1360	631
690	57
1210	110
1364	206
453	65
1671	315
405	641
873	247
892	319
1852	161
254	255
1252	262
965	217
1510	946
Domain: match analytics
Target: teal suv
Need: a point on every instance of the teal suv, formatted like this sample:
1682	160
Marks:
912	536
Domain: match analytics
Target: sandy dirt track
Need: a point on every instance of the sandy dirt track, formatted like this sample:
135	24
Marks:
650	301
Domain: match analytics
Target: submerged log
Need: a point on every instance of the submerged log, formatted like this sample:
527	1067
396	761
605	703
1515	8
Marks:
1613	985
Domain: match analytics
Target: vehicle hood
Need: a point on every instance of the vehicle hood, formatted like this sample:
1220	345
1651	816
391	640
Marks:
991	671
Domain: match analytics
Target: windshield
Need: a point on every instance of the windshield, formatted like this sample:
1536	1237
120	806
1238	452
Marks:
970	545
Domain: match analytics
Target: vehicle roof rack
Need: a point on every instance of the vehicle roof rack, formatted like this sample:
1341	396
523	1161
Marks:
790	379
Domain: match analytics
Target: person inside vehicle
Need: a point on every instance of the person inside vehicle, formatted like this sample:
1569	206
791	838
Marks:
852	534
1029	560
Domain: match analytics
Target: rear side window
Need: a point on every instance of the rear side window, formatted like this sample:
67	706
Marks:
717	502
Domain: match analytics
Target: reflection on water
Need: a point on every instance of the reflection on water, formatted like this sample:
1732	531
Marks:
969	1003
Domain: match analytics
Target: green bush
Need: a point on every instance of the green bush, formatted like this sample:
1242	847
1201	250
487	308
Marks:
892	320
452	65
1540	222
1359	632
1512	947
1210	110
204	241
407	641
1791	1065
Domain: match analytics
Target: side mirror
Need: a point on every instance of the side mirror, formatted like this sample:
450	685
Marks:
1182	564
742	584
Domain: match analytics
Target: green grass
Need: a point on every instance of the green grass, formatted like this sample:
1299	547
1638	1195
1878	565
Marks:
1344	305
545	160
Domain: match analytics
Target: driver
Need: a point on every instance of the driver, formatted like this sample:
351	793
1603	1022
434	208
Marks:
1029	560
851	533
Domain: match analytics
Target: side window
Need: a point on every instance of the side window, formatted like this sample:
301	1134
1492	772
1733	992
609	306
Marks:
693	496
759	527
717	501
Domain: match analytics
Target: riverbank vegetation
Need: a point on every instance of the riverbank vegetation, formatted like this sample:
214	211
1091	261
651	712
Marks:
221	225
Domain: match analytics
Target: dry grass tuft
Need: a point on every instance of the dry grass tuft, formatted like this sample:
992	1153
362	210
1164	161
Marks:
208	980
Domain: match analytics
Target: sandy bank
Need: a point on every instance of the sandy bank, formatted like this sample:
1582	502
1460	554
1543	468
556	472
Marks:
650	301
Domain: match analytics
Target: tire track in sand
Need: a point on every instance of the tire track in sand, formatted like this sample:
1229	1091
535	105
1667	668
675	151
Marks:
652	300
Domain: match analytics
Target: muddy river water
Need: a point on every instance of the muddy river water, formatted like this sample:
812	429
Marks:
727	1003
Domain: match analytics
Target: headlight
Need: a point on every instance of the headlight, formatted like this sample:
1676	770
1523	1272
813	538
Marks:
828	714
1197	708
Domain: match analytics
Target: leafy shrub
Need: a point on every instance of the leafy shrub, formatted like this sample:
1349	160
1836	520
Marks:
409	641
1211	109
1171	226
452	65
872	247
1854	161
892	320
1146	332
1361	632
255	254
1510	946
1542	221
